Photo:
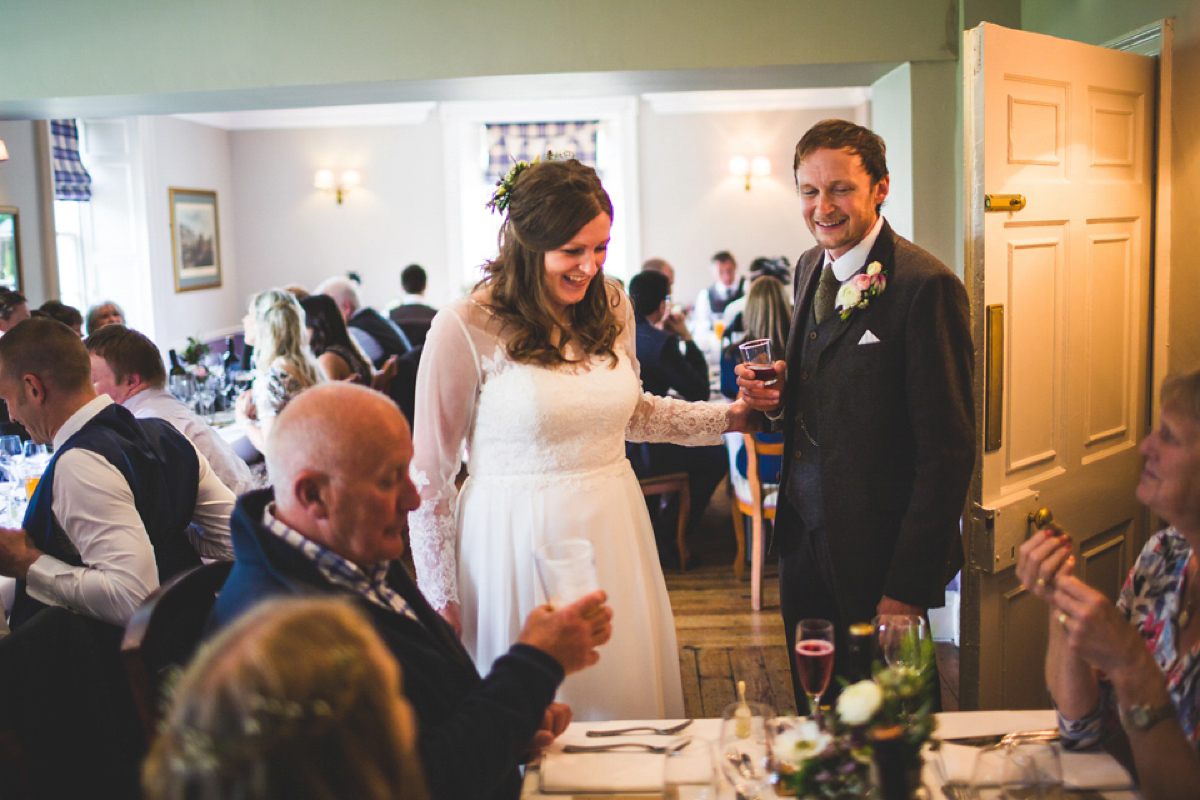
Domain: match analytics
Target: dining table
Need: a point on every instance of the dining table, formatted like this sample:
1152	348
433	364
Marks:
630	775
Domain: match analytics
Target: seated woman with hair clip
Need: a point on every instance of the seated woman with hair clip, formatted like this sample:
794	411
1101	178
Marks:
300	700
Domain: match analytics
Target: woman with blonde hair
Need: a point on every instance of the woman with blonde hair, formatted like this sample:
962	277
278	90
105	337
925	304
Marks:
284	365
766	315
299	699
536	372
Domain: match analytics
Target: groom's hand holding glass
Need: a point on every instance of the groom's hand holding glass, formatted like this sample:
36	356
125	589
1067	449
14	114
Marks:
765	396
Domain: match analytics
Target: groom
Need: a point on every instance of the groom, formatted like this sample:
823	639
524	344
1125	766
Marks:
876	404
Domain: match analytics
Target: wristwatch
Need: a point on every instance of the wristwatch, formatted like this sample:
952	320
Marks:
1143	717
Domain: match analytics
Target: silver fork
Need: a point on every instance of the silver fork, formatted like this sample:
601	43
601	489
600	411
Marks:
644	729
649	748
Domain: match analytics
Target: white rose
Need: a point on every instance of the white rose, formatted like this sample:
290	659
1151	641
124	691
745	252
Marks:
859	702
798	743
848	296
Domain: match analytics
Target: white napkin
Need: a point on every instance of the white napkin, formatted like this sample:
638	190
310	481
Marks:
1096	770
621	771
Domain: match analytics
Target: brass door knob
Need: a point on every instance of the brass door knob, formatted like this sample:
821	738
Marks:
1043	518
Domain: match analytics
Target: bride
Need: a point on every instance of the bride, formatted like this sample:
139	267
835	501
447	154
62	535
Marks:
536	373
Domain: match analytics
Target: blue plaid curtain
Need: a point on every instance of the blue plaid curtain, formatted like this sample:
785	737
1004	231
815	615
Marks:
508	144
71	180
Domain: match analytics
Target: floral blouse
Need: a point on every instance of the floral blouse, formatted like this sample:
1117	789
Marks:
274	388
1151	600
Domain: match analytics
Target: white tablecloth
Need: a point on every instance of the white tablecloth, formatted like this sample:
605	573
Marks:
635	775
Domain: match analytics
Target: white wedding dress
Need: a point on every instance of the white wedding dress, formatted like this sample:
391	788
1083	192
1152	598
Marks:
546	460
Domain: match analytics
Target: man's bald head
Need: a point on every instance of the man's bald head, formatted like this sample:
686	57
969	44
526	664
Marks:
338	456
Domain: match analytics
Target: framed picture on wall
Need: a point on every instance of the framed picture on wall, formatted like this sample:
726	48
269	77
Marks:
195	239
10	249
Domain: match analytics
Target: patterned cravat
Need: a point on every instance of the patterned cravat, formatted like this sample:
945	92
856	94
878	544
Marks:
827	291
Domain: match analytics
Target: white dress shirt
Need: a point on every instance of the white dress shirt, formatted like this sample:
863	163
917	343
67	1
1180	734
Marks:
161	404
851	262
95	508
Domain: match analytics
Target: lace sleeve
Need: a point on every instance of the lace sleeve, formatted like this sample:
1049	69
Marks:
447	385
666	419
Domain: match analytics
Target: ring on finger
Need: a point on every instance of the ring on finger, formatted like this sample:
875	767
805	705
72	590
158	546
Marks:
1041	582
1062	618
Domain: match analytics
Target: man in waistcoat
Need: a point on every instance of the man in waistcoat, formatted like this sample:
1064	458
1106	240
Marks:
875	402
113	512
728	286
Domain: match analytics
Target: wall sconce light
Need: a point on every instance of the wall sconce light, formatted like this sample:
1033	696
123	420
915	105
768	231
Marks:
3	151
324	180
757	167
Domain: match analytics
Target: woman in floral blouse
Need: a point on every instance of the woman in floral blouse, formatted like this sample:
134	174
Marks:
1136	665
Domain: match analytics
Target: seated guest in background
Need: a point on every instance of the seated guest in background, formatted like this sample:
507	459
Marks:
413	315
767	314
104	313
778	268
299	699
67	315
672	320
128	367
376	335
13	309
661	265
669	361
284	365
1134	665
711	302
337	353
336	524
113	513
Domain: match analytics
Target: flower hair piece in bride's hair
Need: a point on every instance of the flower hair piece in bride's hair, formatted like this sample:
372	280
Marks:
504	186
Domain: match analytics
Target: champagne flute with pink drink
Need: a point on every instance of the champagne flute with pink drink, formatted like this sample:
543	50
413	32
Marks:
814	660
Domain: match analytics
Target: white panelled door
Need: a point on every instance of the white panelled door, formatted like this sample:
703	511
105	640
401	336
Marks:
1061	305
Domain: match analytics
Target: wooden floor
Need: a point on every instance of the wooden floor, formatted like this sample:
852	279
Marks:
721	641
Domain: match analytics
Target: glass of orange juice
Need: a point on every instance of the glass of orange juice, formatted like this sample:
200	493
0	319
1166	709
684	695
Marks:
719	328
31	484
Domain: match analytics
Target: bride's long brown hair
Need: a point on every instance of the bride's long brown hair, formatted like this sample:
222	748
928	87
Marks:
550	203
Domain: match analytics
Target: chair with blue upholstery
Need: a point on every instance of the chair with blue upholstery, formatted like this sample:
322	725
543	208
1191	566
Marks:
755	461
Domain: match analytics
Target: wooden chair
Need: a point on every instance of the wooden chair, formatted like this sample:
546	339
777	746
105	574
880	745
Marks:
755	490
165	632
675	483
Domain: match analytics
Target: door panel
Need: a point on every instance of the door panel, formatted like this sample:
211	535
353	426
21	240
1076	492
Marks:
1069	127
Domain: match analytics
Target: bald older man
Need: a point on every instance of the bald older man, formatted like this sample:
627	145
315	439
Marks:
338	456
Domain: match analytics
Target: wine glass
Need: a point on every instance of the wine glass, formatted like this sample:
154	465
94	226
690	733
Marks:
814	661
744	750
11	449
689	771
1039	763
990	774
901	638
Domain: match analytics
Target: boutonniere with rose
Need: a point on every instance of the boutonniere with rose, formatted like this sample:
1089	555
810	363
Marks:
858	291
895	706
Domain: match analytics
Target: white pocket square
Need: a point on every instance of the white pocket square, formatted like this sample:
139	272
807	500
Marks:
868	338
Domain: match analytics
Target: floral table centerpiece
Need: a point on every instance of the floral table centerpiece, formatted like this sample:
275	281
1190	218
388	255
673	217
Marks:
895	706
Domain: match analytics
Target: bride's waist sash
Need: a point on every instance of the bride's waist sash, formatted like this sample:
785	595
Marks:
558	479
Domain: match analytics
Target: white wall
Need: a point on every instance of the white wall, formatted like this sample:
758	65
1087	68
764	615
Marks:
290	232
891	118
19	187
189	156
692	207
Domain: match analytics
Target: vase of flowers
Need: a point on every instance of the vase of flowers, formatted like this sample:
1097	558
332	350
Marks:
875	733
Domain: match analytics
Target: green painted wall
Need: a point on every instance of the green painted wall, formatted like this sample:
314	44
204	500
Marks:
71	48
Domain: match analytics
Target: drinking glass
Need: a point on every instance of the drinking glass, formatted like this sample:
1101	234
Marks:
901	637
990	774
690	771
1041	764
744	750
756	355
814	661
183	387
11	448
11	488
567	569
